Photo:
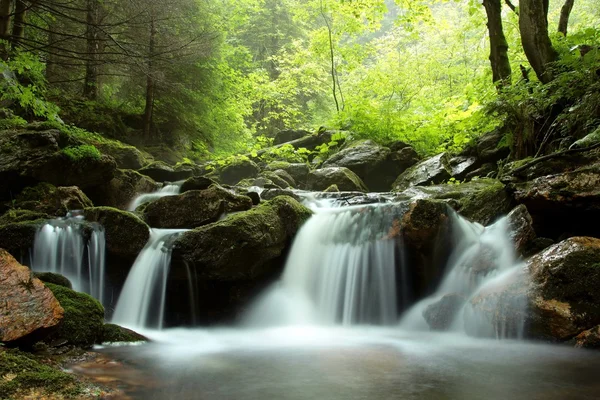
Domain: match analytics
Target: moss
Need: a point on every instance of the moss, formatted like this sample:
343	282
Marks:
21	373
56	279
18	238
82	153
112	333
13	122
15	216
83	319
275	165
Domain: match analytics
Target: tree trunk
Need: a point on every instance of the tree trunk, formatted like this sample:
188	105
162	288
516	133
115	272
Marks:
565	12
5	8
150	84
90	87
18	32
499	61
533	23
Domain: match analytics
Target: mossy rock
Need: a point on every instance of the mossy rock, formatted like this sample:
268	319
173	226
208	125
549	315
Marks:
22	376
126	233
122	189
83	319
238	170
345	179
112	333
17	238
126	156
16	215
276	179
56	279
49	199
163	172
196	183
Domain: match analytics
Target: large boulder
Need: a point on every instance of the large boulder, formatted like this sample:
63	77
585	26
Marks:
126	156
376	165
163	172
28	310
126	233
18	237
194	208
238	170
289	135
521	230
430	171
276	179
196	183
298	171
441	314
49	199
346	180
120	191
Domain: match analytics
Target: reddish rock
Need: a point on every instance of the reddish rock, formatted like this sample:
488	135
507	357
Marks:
27	306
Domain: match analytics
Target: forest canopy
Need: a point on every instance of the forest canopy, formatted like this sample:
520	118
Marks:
217	77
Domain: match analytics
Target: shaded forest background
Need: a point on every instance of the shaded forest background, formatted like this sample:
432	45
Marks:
200	79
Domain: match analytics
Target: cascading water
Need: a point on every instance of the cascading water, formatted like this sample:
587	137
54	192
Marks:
61	247
482	260
169	189
141	303
341	269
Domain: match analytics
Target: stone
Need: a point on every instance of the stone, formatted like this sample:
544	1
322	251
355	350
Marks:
285	176
270	194
441	314
345	179
163	172
196	183
589	339
255	197
126	156
491	147
238	170
521	229
49	199
275	179
112	333
28	310
298	171
120	191
433	170
461	166
18	238
289	135
194	208
51	277
376	165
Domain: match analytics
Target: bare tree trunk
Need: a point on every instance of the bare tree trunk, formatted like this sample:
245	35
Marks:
150	84
332	59
565	12
5	8
90	87
18	32
533	23
501	71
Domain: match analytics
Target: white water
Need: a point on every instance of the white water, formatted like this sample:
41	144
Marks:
169	189
482	261
142	300
341	269
60	247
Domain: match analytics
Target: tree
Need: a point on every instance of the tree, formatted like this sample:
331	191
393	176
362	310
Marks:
5	10
501	71
533	24
565	12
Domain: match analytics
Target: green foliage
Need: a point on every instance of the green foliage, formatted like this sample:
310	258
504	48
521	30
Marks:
286	153
82	153
12	122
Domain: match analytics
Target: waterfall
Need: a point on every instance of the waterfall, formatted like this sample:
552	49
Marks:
482	261
341	270
141	303
169	189
61	246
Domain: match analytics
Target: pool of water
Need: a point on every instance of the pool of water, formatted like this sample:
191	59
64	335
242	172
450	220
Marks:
346	363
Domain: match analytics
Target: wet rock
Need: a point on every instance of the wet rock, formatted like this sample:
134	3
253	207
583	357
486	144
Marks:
243	246
275	179
488	170
126	156
163	172
196	183
376	165
49	199
589	140
298	171
255	197
57	279
238	170
492	147
120	191
332	188
112	333
345	179
270	194
589	339
126	233
28	309
398	145
433	170
17	238
461	166
194	208
521	229
285	176
289	135
441	314
83	318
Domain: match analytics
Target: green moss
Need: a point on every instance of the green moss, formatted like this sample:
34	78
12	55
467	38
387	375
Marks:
82	153
114	333
83	320
18	237
14	122
20	373
37	192
15	216
56	279
275	165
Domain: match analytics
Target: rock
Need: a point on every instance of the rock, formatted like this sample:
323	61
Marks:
589	339
243	246
83	318
255	197
126	234
492	147
17	238
433	170
376	165
126	156
345	179
30	157
521	229
441	314
163	172
270	194
488	170
286	177
332	189
461	166
196	183
589	140
57	279
298	171
398	145
120	191
49	199
289	135
16	215
112	333
276	179
194	208
238	170
28	310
